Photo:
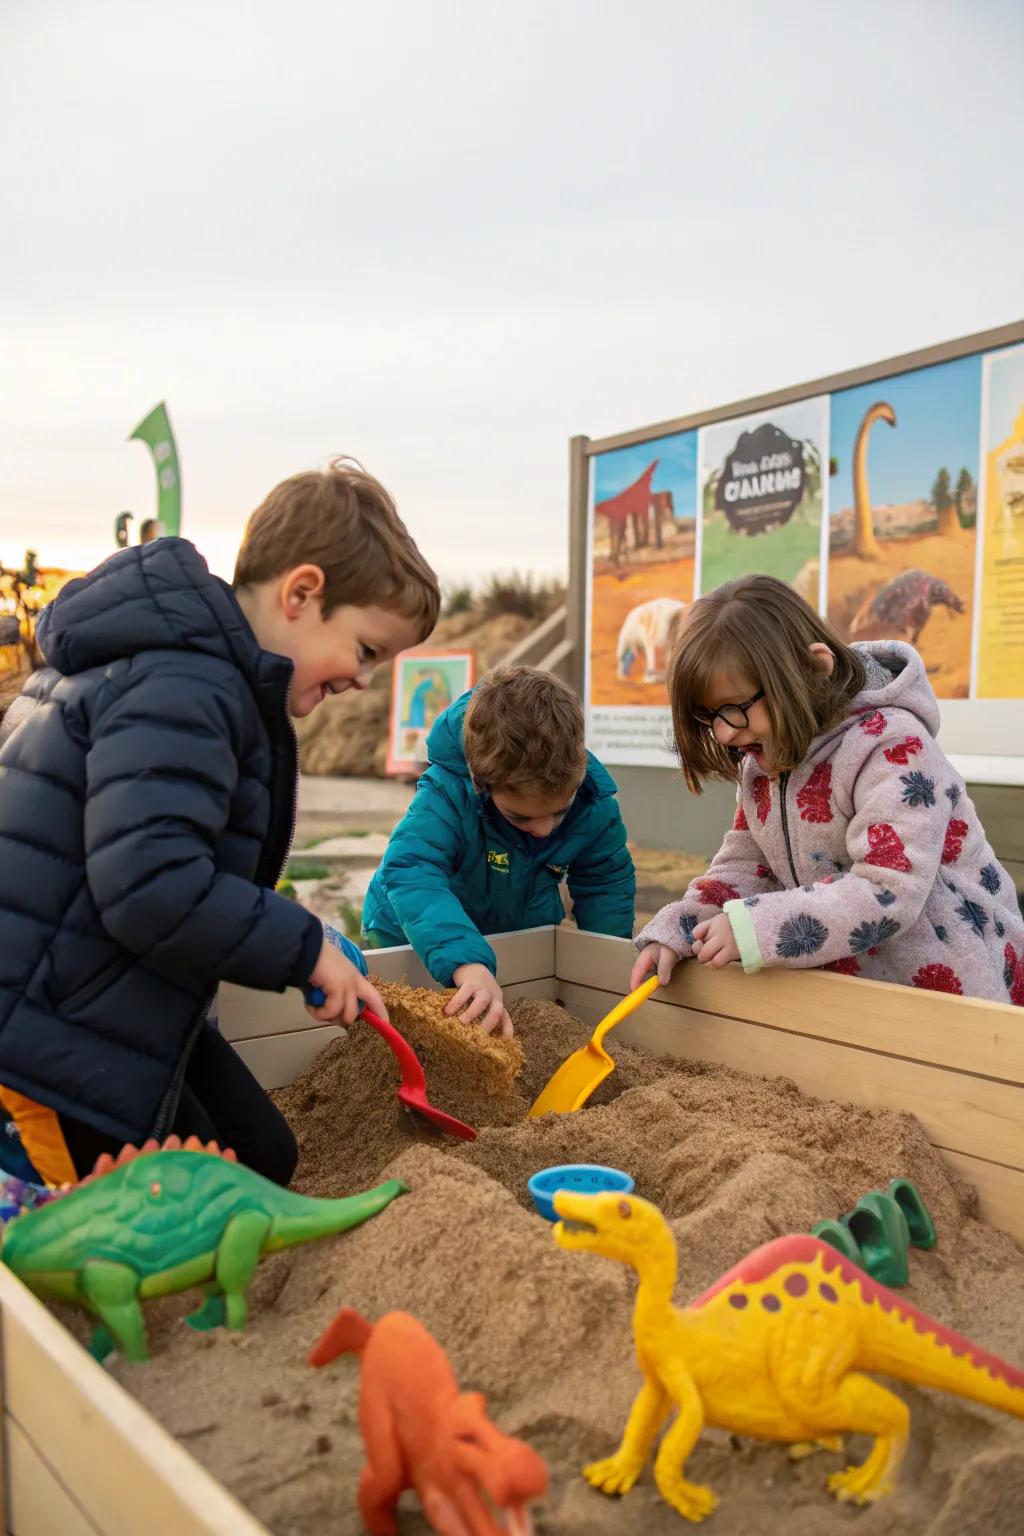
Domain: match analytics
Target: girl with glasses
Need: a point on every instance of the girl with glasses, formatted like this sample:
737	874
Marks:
855	846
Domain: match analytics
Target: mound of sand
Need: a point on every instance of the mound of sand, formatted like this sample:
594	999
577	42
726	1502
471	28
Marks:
349	734
733	1160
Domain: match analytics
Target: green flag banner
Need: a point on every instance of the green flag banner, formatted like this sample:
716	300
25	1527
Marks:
156	432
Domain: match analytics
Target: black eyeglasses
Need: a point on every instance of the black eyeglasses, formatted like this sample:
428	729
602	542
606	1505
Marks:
734	715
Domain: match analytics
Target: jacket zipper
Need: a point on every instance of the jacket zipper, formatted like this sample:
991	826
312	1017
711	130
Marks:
170	1100
783	781
295	800
169	1103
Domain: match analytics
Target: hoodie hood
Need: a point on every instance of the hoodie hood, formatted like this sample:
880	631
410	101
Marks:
152	597
896	680
444	749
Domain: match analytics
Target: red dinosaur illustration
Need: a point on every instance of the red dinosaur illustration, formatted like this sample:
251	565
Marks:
662	506
421	1432
635	502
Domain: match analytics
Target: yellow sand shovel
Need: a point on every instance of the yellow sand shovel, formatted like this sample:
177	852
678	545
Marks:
586	1069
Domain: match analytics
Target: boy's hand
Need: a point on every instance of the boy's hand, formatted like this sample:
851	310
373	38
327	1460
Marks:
653	957
480	996
345	990
714	942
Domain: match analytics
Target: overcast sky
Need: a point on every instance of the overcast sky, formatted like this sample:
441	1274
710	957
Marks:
446	236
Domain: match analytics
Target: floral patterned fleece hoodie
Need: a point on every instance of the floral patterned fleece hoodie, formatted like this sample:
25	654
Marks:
869	859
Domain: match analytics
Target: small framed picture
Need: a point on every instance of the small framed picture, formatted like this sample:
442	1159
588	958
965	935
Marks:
423	684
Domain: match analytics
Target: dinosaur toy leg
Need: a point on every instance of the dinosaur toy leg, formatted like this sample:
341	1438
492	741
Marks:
211	1313
238	1253
377	1503
865	1408
618	1473
801	1449
112	1290
385	1474
692	1500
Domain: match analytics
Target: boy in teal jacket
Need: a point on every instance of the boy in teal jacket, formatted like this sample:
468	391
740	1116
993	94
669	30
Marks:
511	805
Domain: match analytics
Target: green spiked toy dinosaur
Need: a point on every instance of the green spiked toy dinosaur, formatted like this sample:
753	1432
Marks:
161	1219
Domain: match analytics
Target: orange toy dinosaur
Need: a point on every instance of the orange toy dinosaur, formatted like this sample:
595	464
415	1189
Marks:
421	1432
776	1349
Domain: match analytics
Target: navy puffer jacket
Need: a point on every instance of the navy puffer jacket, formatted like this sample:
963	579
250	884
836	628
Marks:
147	802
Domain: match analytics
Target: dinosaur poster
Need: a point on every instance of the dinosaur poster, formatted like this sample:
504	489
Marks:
423	684
895	506
642	540
762	494
903	502
1000	661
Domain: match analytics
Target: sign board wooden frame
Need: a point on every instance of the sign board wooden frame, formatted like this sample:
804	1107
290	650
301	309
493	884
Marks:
982	736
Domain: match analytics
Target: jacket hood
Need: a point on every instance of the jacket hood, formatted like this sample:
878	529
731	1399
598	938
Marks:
158	596
444	748
896	680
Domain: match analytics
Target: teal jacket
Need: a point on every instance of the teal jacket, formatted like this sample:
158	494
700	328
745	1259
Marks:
455	869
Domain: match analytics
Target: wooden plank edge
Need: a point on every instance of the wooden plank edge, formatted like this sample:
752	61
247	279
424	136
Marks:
246	1013
304	1043
993	1111
92	1399
1000	1190
40	1504
960	1034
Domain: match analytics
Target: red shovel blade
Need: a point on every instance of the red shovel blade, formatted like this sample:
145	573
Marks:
412	1095
431	1119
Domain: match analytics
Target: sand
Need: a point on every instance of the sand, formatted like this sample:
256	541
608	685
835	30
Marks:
733	1160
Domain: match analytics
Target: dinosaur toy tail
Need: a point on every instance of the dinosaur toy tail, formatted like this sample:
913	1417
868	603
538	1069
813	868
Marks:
346	1334
902	1342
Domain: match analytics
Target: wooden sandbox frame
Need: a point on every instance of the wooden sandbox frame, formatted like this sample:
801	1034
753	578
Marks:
80	1457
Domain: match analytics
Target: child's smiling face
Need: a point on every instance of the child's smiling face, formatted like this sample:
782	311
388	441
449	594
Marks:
328	655
736	711
340	652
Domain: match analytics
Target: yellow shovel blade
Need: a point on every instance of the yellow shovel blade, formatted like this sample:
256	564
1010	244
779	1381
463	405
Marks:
586	1069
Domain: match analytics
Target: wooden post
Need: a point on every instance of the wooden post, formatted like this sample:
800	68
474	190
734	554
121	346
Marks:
576	602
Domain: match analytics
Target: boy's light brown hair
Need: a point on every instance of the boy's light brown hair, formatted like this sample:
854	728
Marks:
344	521
759	630
523	733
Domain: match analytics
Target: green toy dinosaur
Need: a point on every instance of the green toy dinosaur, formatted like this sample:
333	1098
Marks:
160	1220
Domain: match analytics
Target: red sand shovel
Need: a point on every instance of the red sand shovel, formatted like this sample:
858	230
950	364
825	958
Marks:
412	1095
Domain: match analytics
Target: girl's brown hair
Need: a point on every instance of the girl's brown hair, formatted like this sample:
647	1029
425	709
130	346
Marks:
760	631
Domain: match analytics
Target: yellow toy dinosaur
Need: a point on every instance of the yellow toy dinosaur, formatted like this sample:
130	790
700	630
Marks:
776	1349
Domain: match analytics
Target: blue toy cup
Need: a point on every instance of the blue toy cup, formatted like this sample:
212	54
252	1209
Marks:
581	1178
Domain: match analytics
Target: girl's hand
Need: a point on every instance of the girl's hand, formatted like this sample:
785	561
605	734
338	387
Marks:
713	941
653	957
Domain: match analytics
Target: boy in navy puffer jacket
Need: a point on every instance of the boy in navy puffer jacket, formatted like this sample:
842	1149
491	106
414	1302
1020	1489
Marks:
147	802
